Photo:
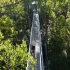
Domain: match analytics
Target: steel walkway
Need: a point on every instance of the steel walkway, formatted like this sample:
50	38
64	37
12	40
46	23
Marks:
35	47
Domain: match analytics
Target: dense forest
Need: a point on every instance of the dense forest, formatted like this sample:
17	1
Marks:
15	27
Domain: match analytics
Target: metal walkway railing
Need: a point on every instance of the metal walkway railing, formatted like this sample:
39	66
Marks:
35	47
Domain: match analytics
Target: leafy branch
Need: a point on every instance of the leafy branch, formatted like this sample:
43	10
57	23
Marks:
10	4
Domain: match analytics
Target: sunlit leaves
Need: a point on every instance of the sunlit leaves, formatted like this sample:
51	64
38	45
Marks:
7	26
1	36
5	20
15	55
12	55
31	61
10	25
5	2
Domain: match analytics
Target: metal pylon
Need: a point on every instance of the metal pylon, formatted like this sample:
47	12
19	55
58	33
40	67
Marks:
35	47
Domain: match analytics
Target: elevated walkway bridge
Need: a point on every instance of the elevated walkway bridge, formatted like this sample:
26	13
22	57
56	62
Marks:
35	46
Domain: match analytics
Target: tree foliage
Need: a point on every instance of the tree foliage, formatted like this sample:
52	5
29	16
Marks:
15	25
13	35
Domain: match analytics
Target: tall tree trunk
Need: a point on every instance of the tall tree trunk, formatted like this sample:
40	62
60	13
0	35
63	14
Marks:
46	46
46	37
